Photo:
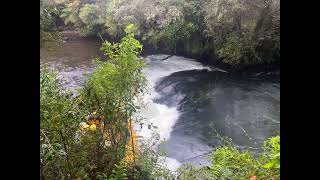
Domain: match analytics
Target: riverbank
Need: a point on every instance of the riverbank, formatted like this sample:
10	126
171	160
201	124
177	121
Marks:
184	94
256	70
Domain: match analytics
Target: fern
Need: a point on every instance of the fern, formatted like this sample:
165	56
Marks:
119	173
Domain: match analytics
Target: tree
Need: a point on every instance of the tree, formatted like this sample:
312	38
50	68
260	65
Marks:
73	149
48	14
240	32
245	32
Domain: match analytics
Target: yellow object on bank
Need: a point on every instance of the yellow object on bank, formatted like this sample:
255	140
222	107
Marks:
131	146
93	127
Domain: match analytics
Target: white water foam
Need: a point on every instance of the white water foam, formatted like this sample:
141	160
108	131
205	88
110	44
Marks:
159	115
171	163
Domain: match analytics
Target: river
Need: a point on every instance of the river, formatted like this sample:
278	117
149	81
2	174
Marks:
188	102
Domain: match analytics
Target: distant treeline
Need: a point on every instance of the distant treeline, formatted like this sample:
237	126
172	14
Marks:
233	32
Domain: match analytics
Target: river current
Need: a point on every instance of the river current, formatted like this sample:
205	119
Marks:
188	103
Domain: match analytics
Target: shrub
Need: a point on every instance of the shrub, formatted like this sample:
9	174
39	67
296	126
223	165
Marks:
230	163
70	151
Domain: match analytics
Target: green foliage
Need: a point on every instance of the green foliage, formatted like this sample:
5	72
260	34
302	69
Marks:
189	172
230	163
245	32
59	121
112	88
87	13
116	83
242	32
87	17
67	151
48	39
70	13
119	173
230	50
48	12
175	32
150	164
272	152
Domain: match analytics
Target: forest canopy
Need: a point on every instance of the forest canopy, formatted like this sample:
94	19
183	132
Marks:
238	32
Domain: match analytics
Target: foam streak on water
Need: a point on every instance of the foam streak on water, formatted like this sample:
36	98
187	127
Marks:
160	115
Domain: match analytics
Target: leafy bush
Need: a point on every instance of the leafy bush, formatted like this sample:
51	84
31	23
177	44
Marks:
59	123
272	154
229	163
48	39
48	15
70	148
119	173
243	32
230	50
150	163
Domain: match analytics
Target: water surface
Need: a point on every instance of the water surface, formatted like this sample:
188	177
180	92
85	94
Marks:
188	103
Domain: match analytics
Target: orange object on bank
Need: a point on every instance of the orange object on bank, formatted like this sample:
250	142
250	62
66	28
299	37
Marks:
253	178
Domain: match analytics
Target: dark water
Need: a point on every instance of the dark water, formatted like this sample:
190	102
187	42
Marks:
243	109
207	102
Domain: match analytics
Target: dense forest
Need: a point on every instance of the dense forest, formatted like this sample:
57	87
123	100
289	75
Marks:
230	32
90	136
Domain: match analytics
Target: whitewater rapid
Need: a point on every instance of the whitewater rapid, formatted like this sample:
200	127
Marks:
231	104
159	117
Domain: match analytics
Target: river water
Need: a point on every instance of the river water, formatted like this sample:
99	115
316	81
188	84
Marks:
188	103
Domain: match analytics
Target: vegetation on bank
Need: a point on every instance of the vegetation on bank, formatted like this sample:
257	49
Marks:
87	137
239	32
90	137
229	163
49	12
